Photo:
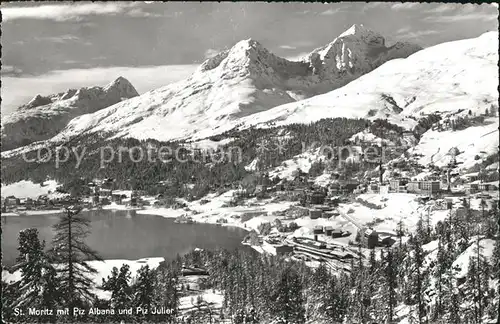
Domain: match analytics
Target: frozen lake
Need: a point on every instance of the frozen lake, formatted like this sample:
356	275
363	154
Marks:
127	235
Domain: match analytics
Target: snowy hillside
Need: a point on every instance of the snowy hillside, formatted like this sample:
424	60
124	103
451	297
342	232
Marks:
471	143
45	116
446	78
28	189
239	83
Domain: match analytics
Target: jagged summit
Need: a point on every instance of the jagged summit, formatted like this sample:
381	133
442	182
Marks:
359	30
119	87
239	82
356	51
44	116
248	43
240	55
119	80
38	100
245	50
123	85
367	35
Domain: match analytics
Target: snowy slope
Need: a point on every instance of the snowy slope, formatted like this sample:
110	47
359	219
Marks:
486	247
434	147
446	77
28	189
239	83
43	117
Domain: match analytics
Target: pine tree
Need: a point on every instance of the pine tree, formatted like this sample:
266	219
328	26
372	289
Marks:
287	300
165	292
143	289
461	229
400	233
390	282
51	296
71	253
361	298
418	279
487	294
38	286
471	293
373	262
336	299
495	272
451	302
317	295
443	263
477	282
423	231
491	223
119	285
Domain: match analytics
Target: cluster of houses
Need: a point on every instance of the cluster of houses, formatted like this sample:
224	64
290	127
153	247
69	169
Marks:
455	120
104	193
328	231
305	247
428	187
42	202
475	187
472	185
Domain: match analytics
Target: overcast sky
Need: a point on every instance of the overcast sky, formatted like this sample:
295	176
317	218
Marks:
50	47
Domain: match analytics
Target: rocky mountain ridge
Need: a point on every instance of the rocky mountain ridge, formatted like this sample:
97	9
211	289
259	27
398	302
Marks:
239	82
44	116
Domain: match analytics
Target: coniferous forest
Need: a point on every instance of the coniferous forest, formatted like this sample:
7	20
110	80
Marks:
379	288
250	163
207	170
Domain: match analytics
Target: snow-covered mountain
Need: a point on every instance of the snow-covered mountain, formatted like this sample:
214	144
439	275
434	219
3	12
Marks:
456	80
237	83
449	77
44	116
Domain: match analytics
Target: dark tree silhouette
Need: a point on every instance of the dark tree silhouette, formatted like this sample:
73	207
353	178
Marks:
71	253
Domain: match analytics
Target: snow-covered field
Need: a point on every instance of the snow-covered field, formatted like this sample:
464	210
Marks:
471	142
462	262
394	207
33	212
103	268
28	189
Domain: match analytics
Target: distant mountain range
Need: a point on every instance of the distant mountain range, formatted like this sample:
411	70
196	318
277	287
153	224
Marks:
446	78
237	83
355	76
45	116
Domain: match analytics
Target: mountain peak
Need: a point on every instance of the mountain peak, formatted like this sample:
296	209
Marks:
357	29
245	47
123	86
249	42
37	101
241	52
45	116
120	79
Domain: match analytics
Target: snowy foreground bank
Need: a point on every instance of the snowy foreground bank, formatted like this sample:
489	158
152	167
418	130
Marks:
103	268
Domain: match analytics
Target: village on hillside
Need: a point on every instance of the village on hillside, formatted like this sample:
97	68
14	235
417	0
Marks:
250	163
312	218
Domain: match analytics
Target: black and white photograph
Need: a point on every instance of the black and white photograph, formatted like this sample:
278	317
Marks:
250	162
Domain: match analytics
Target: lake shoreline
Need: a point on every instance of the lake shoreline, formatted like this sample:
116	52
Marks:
165	236
152	211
